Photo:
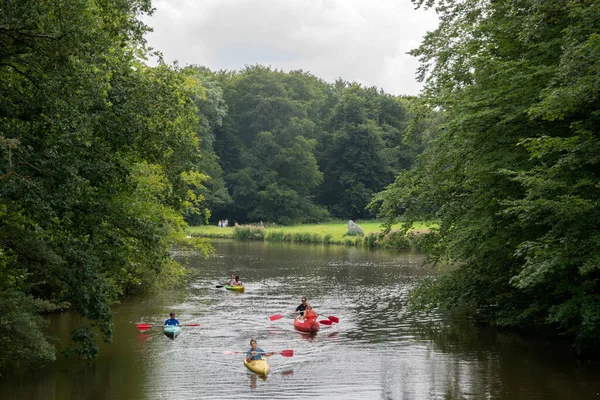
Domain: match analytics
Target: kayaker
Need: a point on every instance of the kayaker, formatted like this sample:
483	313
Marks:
256	353
300	309
172	320
231	281
309	314
237	282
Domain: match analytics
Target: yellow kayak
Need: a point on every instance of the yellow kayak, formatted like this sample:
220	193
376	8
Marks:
261	367
236	288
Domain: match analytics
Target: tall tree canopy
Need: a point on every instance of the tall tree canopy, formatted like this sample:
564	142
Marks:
295	149
514	174
363	149
97	154
266	144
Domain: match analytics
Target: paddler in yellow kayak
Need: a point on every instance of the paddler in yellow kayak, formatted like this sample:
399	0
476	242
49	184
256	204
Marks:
238	282
256	353
231	281
255	359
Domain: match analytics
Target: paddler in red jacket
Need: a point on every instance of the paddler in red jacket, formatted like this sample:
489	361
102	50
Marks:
309	314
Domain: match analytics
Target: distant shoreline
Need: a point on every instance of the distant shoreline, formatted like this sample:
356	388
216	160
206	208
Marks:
333	233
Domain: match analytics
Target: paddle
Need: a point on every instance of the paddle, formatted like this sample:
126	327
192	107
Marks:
275	317
219	286
143	327
330	320
285	353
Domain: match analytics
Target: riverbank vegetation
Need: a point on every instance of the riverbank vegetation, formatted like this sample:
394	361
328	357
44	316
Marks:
97	155
514	174
323	233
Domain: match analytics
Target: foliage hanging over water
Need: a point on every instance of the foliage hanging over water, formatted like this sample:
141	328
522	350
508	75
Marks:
97	154
514	175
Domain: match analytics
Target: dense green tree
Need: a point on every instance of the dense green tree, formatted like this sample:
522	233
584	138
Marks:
362	150
212	109
97	154
513	176
266	145
291	144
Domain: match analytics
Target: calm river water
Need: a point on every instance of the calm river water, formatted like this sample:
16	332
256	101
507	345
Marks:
379	350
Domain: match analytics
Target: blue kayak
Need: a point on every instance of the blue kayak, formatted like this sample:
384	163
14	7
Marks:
172	331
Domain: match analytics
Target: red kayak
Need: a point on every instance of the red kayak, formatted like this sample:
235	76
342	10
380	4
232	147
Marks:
306	326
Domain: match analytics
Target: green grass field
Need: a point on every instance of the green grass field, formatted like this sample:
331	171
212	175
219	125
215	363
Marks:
335	229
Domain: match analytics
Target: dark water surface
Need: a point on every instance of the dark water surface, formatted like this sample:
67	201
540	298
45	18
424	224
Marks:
378	350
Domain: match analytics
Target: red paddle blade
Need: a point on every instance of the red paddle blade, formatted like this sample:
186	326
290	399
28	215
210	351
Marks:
192	325
276	317
334	319
287	353
231	352
143	327
326	322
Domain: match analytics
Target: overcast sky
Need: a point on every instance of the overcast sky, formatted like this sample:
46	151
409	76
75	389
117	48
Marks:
358	40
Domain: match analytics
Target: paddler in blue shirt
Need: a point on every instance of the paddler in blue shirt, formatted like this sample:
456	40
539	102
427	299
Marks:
256	353
172	321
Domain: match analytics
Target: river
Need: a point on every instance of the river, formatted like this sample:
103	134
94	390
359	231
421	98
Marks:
378	350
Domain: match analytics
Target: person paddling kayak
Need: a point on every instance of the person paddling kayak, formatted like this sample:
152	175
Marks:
172	321
310	315
300	309
256	353
231	281
237	282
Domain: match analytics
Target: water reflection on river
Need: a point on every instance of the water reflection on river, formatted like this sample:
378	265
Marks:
378	350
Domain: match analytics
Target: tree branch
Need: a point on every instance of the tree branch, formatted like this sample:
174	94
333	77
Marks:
30	79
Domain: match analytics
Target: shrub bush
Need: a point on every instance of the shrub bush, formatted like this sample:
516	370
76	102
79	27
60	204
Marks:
248	232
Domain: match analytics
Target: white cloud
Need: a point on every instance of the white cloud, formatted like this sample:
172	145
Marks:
357	40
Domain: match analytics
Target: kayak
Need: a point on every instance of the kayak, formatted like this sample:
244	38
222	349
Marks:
260	367
303	326
236	288
171	331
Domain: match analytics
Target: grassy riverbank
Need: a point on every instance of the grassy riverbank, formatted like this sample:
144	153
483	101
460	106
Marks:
325	233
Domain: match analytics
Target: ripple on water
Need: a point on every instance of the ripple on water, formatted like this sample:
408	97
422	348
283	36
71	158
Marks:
378	350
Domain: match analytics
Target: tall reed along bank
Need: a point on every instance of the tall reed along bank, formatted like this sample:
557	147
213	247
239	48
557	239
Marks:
329	233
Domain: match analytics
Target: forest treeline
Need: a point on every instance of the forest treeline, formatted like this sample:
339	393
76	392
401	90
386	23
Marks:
289	148
104	159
